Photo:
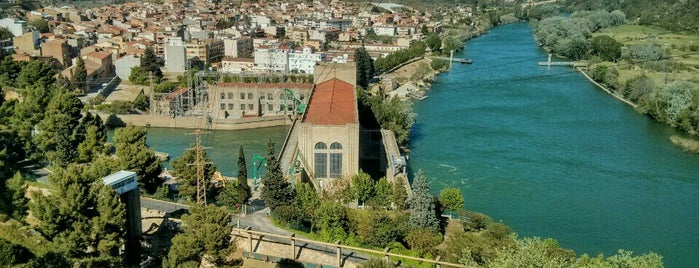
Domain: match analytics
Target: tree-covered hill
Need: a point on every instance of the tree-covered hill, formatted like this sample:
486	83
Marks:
674	15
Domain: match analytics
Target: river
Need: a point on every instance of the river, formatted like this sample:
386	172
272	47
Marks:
222	144
551	155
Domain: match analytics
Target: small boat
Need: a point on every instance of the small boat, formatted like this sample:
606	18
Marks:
466	61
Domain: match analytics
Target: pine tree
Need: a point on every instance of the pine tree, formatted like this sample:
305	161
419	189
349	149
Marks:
206	235
57	137
423	213
133	154
78	79
16	191
187	175
276	191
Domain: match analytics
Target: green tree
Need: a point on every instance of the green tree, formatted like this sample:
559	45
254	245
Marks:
243	170
78	78
16	191
13	254
142	102
423	240
56	137
383	191
206	234
36	73
362	187
186	173
93	143
242	166
139	76
5	34
151	64
49	260
400	194
395	115
365	67
423	213
451	198
84	219
135	155
40	25
606	48
376	263
276	191
233	195
306	198
9	70
331	221
433	42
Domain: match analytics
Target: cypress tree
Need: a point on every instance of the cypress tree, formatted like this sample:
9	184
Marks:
243	173
423	213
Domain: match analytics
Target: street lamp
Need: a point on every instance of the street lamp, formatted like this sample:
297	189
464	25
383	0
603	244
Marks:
257	161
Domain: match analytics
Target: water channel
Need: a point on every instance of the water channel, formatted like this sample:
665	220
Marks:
222	144
551	155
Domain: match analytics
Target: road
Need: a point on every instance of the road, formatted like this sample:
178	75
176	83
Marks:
258	221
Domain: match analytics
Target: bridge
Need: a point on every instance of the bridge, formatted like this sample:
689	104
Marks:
450	59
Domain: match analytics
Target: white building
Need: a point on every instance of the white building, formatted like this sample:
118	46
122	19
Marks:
272	60
15	26
385	30
175	55
304	61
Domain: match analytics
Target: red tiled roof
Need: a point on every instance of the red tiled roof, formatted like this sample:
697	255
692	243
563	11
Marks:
332	103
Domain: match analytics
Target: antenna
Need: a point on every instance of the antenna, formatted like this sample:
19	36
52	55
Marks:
199	163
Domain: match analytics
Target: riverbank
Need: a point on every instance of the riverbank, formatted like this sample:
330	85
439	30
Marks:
605	89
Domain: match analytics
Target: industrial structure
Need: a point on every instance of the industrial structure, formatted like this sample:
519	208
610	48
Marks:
125	183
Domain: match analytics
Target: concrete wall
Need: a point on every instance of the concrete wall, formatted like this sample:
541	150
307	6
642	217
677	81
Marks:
192	122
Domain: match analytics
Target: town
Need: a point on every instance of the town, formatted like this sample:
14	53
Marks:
84	82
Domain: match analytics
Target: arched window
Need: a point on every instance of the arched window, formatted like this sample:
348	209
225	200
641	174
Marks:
335	160
321	160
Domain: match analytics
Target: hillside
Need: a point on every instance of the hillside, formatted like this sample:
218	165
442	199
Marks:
674	15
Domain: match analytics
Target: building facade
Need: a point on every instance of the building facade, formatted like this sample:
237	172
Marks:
238	100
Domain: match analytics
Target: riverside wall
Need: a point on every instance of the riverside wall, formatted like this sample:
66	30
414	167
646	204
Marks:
193	122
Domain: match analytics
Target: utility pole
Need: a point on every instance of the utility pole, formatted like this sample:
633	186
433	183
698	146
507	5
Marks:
199	163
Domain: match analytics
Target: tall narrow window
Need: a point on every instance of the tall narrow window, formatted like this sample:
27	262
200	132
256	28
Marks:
335	160
321	160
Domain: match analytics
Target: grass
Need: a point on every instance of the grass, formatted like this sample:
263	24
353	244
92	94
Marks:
24	235
678	44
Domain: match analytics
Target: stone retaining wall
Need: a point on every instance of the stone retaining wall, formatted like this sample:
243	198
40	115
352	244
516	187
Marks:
192	122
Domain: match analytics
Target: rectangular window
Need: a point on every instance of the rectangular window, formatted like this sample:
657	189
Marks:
242	96
302	97
231	106
250	96
281	96
335	165
321	163
223	96
230	95
223	106
242	107
270	96
251	106
270	107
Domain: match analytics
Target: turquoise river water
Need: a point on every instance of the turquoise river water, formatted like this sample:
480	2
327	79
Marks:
551	155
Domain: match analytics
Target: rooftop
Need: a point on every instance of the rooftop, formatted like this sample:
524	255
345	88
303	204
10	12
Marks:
332	103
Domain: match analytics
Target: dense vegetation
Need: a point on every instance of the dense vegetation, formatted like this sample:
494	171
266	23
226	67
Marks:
569	36
669	14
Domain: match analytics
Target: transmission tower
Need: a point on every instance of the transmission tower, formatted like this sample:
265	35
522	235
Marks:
200	164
